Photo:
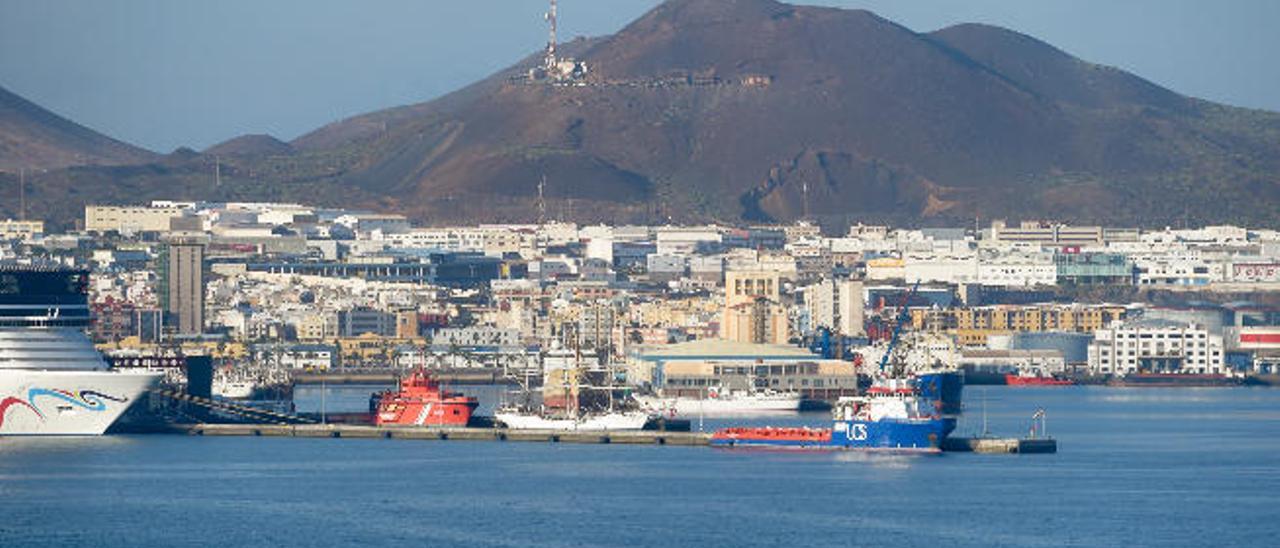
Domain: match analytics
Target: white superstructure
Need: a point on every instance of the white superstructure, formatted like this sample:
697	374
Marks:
52	380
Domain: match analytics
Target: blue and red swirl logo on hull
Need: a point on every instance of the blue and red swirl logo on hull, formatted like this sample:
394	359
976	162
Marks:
90	400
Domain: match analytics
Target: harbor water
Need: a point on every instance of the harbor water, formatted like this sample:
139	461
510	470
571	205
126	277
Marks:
1135	467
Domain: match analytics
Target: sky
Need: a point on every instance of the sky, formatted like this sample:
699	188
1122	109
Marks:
168	73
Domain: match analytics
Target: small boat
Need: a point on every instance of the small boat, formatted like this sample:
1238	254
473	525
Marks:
1035	377
723	403
420	401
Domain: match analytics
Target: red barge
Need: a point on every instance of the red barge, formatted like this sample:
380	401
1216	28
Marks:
1019	380
421	401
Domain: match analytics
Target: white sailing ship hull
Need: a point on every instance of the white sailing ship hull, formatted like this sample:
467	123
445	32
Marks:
634	420
69	403
735	406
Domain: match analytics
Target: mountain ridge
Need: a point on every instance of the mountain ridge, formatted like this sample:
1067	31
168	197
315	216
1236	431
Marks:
32	137
753	110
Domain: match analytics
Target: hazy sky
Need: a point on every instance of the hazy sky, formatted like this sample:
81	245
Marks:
168	73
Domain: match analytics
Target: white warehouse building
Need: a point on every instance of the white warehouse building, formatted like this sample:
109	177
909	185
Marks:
1156	347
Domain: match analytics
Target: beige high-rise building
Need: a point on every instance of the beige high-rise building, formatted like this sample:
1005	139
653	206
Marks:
407	324
753	311
184	277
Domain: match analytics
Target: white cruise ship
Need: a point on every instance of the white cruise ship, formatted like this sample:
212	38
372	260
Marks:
52	380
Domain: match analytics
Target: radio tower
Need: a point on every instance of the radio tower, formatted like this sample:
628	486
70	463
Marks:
804	187
22	194
550	61
542	202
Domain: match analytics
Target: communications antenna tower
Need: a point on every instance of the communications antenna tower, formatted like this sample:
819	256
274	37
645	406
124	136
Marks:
550	61
542	202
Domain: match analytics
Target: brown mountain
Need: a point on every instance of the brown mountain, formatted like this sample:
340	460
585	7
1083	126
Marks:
756	110
34	138
251	145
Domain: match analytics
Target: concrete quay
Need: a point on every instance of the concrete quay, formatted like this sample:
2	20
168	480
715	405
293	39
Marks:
631	437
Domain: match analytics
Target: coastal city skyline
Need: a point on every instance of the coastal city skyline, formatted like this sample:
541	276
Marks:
725	273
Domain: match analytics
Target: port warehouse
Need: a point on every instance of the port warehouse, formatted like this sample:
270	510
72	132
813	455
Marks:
692	368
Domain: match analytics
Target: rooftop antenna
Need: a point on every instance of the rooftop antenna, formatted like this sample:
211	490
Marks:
550	61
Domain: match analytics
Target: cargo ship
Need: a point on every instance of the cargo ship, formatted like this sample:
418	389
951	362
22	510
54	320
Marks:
902	411
52	380
895	415
421	401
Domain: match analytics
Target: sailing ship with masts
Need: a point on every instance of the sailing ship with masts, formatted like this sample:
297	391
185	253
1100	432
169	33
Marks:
576	394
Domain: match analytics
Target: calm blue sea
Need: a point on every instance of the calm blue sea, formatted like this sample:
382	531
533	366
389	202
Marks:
1136	467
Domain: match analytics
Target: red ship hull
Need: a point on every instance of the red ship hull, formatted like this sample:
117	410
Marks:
421	401
1015	380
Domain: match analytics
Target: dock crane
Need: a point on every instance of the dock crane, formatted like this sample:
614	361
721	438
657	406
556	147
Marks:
902	318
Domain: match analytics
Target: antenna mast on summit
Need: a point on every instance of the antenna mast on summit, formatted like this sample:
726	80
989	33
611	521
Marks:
804	187
22	194
550	61
542	202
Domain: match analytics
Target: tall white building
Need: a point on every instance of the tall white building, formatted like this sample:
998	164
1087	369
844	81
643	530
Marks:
820	301
852	307
836	305
1156	348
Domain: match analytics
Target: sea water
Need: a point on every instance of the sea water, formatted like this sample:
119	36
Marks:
1135	467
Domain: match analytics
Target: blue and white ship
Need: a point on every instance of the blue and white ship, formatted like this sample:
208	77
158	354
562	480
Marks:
907	415
901	411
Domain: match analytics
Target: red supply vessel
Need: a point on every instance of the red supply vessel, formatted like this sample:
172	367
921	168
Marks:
421	401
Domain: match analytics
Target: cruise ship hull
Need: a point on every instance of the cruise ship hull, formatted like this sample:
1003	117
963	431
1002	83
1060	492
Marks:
69	403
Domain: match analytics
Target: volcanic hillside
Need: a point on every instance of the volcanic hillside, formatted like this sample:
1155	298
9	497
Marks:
34	138
746	110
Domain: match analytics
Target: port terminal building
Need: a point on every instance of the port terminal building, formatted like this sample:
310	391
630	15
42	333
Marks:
692	368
